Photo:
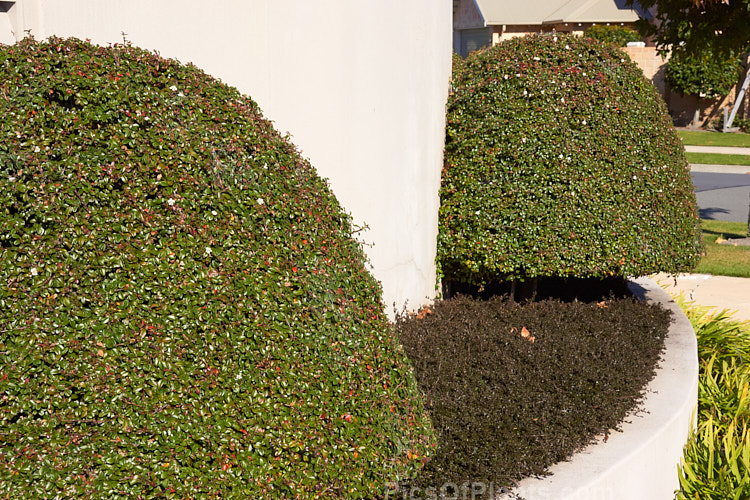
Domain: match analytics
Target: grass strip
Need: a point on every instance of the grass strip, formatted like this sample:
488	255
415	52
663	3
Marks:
724	260
717	159
693	138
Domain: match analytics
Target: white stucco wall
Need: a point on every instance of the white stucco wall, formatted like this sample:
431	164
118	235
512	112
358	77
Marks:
8	22
360	86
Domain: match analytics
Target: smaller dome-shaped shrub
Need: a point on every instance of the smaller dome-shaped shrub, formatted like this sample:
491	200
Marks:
561	161
183	310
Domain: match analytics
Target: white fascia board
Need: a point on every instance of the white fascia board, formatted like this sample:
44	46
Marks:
481	14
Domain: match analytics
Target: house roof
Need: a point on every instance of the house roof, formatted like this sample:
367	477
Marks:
555	11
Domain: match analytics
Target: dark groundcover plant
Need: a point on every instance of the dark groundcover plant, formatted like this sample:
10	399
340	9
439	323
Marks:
514	388
183	310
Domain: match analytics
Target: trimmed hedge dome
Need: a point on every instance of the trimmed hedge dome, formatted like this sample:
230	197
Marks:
183	310
561	161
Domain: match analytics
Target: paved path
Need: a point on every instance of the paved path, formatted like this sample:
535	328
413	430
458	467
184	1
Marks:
720	169
718	149
721	292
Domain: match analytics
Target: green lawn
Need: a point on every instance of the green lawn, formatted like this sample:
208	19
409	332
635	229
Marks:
724	260
690	138
717	159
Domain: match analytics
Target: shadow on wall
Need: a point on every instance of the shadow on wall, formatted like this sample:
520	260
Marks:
696	112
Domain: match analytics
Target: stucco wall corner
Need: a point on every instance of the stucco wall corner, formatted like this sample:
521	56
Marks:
360	87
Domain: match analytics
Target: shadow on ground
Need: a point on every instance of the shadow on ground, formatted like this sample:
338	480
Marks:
709	213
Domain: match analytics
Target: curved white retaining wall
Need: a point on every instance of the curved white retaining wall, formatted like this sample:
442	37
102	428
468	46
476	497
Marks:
641	461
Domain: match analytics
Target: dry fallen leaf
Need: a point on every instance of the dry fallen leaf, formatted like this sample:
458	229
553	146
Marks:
424	312
525	333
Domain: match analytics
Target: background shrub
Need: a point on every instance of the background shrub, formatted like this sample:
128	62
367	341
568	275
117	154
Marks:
705	74
619	36
183	310
561	160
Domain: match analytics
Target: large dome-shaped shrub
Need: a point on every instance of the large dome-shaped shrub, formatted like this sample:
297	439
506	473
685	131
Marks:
561	160
183	310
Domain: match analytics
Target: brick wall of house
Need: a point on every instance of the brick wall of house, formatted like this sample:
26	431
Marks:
652	64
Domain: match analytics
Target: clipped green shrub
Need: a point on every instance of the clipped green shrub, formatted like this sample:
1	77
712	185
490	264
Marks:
457	66
183	310
618	36
561	160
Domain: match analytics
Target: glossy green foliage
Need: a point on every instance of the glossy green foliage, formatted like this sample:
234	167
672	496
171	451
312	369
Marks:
183	310
561	161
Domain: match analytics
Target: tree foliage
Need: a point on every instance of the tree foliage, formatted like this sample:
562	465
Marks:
696	25
705	38
704	74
